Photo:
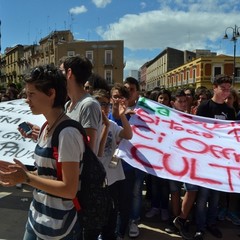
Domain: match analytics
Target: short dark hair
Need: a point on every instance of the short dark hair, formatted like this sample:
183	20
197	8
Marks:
101	93
81	68
98	82
47	77
132	80
192	90
122	90
178	93
165	91
222	78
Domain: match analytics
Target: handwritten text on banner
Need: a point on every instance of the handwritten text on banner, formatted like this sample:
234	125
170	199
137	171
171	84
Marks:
12	144
183	147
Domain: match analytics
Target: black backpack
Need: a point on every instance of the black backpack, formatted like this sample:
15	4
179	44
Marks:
93	201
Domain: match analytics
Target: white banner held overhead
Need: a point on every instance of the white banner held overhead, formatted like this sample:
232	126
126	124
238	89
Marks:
183	147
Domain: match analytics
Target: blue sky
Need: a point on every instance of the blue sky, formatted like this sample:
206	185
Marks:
147	27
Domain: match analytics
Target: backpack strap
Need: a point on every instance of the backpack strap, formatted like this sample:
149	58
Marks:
42	128
55	142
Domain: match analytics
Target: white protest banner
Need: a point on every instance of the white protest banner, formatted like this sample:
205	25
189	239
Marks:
12	144
183	147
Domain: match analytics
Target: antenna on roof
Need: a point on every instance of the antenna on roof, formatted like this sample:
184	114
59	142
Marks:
71	23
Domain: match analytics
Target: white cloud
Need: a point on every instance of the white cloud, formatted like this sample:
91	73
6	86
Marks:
174	28
101	3
181	24
134	63
78	10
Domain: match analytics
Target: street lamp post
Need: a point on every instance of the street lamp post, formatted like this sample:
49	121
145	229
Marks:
235	35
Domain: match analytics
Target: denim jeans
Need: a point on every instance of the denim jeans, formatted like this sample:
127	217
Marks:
206	215
137	194
75	234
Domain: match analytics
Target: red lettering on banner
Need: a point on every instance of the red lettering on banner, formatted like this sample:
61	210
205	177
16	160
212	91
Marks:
210	126
188	165
226	153
183	143
157	120
216	150
135	151
192	145
229	170
144	116
137	130
193	132
195	177
235	132
206	135
186	147
177	126
237	157
174	125
224	125
160	138
181	173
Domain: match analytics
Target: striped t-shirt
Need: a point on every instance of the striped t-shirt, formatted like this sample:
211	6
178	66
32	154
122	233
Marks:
52	217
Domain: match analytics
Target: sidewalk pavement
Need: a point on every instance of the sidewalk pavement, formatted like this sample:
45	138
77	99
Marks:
14	204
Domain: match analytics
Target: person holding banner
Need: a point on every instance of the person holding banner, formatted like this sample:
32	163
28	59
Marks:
201	94
190	92
206	218
159	187
112	134
133	86
52	214
180	212
119	93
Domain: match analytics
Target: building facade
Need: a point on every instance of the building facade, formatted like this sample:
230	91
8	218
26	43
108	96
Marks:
106	56
174	69
167	60
201	71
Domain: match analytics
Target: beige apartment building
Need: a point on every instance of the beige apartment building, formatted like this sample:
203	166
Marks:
157	68
106	56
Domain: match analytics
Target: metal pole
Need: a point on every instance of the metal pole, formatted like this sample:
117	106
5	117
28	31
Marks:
235	35
234	60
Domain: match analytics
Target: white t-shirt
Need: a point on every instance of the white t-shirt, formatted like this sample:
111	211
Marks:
113	174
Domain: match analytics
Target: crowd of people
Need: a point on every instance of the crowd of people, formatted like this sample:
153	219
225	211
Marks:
71	90
11	93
